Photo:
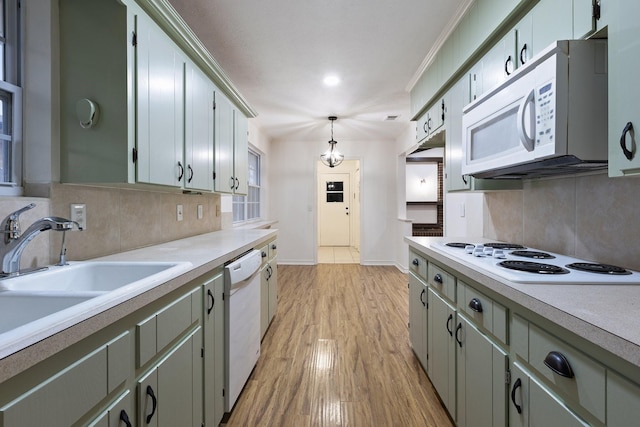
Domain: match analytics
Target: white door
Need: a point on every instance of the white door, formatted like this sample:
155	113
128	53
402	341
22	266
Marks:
334	209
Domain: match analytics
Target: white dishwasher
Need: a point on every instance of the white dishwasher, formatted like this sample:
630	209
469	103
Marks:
242	332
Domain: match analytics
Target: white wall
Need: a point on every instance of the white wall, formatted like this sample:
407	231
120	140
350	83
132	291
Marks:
293	199
463	214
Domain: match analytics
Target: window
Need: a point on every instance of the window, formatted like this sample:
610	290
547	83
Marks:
247	207
10	97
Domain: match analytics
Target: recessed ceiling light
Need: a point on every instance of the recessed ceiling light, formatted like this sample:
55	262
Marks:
331	80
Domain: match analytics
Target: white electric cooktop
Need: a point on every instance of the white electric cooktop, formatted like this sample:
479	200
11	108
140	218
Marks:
528	265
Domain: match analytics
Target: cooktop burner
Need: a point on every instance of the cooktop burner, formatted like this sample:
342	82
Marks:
533	254
598	268
458	245
533	267
504	246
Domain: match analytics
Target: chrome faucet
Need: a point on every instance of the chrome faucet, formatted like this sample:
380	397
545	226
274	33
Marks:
15	241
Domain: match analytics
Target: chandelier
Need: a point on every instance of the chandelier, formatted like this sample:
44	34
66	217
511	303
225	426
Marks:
332	157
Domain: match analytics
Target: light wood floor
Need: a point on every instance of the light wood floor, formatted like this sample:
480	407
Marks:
338	354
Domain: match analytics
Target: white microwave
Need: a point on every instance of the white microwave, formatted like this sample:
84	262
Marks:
548	118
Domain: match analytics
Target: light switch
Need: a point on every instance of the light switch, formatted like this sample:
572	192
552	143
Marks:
200	212
462	210
179	216
79	214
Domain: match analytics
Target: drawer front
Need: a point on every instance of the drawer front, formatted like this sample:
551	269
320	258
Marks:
273	249
586	388
264	253
442	281
417	264
519	336
485	312
62	399
119	362
156	332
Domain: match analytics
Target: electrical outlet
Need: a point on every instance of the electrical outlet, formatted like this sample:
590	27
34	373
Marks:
79	215
200	212
179	215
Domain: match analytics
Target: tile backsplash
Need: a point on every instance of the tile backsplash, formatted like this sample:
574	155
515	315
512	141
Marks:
118	219
591	217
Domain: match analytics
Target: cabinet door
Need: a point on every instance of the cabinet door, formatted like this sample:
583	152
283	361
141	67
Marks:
273	289
623	401
552	20
481	371
168	395
213	351
198	130
524	40
624	91
418	319
121	412
223	147
264	299
240	152
536	406
160	106
585	21
442	353
458	98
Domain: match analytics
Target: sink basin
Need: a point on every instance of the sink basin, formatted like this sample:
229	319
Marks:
98	276
19	308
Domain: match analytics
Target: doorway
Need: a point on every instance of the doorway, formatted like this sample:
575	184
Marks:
339	213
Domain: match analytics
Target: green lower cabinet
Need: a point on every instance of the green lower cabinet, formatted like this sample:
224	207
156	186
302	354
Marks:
481	372
120	414
442	353
532	405
418	319
168	394
214	352
623	401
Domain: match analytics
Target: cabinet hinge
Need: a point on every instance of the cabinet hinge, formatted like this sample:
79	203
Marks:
134	39
223	392
596	10
443	110
134	155
202	352
409	325
214	105
214	175
507	377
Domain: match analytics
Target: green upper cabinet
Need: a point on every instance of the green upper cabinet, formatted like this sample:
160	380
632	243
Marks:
160	110
589	16
102	153
231	147
198	130
154	91
624	91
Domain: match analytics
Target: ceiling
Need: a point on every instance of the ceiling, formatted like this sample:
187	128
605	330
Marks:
277	53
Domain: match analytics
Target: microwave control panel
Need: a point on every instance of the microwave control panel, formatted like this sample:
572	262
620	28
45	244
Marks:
545	113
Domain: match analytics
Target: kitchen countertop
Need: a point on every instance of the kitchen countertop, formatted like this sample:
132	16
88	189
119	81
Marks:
598	313
205	252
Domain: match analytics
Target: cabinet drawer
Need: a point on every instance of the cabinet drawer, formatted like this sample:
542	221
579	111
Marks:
63	398
485	312
264	253
442	281
273	249
119	358
156	332
417	264
586	387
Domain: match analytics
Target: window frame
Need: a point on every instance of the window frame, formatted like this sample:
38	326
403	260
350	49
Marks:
10	85
243	200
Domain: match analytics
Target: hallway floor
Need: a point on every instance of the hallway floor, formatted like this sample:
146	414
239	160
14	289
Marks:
338	255
338	354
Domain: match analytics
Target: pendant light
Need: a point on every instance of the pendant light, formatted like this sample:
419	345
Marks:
332	157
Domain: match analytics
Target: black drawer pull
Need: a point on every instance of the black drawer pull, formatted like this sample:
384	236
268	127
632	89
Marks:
475	305
421	300
516	385
559	364
522	53
623	142
438	278
459	328
416	262
449	319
